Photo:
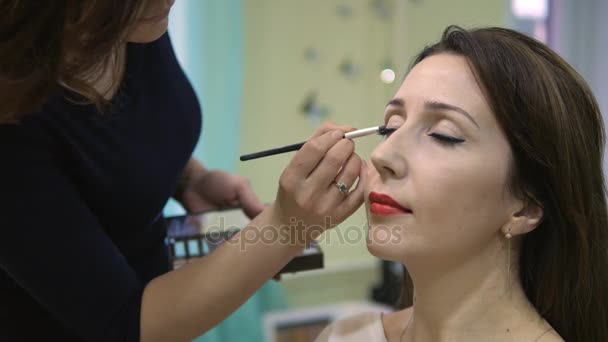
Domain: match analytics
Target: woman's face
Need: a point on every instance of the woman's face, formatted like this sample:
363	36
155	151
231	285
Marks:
446	167
153	21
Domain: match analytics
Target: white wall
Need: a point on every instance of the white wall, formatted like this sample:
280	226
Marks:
578	29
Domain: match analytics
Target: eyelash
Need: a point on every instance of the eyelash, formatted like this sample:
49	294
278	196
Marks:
387	132
442	139
446	140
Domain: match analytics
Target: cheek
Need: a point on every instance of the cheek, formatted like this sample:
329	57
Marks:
461	196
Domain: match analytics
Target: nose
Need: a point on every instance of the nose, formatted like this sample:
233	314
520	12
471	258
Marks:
388	159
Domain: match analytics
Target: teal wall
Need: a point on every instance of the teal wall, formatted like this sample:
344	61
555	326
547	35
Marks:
207	38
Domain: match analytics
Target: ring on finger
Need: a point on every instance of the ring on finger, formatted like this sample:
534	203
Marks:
342	187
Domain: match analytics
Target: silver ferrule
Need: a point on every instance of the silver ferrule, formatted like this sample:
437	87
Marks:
362	132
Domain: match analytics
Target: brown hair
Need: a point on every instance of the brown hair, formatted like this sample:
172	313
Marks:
555	130
46	44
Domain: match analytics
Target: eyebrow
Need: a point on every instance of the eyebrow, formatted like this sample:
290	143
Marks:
434	105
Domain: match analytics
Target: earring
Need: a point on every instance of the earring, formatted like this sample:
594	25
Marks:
508	236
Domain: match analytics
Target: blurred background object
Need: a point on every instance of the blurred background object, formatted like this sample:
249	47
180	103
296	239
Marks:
268	72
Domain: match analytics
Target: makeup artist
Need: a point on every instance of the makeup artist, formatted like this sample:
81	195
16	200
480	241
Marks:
97	127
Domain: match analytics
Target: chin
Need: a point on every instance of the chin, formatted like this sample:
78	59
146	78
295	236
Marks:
385	244
384	252
149	32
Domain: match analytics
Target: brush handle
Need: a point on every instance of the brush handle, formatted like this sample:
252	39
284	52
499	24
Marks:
294	147
279	150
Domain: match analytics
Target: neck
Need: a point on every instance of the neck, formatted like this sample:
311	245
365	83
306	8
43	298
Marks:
476	299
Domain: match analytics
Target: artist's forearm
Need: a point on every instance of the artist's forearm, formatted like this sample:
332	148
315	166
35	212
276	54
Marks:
187	302
194	168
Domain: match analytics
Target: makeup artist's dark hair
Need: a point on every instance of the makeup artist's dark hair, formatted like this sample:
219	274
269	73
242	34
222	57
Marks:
555	129
47	43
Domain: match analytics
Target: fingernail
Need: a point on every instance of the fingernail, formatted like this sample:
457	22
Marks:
337	134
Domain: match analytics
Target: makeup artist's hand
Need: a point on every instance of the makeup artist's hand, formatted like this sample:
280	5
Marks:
204	190
307	192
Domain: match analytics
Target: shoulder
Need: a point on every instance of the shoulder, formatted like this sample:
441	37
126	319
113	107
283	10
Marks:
163	46
361	327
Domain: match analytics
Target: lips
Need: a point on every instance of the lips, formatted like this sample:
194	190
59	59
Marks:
384	205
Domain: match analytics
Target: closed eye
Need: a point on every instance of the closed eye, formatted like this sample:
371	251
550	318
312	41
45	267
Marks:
446	139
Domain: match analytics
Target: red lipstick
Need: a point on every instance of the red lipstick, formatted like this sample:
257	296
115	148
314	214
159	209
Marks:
384	205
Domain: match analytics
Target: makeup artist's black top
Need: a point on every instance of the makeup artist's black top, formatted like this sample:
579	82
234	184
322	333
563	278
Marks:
81	196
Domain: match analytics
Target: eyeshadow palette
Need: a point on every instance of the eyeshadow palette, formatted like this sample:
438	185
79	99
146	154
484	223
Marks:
193	236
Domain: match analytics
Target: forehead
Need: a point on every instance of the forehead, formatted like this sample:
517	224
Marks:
446	78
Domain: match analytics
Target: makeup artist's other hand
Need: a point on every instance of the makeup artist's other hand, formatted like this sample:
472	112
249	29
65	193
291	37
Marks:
212	190
307	193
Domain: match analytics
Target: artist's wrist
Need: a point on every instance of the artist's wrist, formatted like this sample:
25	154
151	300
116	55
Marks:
292	231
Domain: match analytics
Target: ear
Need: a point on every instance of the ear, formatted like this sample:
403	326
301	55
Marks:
524	220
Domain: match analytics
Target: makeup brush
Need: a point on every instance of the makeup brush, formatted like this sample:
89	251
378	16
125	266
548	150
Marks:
381	130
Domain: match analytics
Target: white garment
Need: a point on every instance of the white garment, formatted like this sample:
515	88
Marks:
365	327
